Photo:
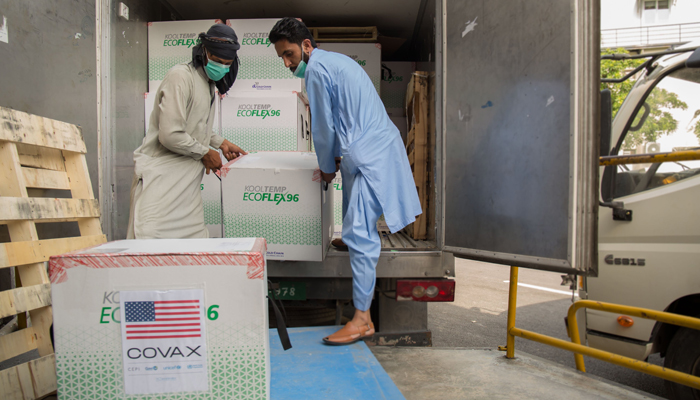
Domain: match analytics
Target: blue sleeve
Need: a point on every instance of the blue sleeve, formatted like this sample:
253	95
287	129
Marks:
318	88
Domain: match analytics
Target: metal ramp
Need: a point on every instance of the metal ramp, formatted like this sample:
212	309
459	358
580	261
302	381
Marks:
312	370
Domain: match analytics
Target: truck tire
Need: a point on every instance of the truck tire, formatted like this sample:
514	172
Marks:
683	355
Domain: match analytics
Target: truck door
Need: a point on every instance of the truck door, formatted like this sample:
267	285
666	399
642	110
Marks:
520	111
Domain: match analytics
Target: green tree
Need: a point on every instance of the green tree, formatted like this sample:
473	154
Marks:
659	120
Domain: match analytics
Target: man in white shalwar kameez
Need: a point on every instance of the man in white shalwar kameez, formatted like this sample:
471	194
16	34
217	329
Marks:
166	200
348	120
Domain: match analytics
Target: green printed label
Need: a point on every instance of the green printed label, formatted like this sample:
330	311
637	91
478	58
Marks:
276	198
393	79
258	113
181	42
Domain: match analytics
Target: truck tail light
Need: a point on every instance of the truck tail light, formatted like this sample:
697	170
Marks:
426	290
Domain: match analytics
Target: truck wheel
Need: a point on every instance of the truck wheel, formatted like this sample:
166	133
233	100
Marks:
683	355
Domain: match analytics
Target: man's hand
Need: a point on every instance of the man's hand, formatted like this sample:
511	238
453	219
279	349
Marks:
231	151
212	161
328	178
337	164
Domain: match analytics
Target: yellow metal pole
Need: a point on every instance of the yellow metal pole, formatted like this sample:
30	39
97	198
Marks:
637	365
576	339
661	316
512	304
687	155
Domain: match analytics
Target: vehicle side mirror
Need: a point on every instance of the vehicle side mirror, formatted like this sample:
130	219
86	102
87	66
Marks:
694	60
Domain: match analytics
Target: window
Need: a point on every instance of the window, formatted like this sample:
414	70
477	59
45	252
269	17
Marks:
656	4
667	121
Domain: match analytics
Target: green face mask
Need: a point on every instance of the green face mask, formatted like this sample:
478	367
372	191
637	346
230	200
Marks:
216	71
301	68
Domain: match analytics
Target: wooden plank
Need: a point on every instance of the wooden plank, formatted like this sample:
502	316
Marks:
45	179
17	342
46	209
22	299
20	127
81	188
28	252
40	157
408	239
392	241
44	375
404	244
16	383
32	380
11	177
382	237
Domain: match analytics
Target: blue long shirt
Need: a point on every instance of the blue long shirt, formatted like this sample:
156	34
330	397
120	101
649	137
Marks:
348	119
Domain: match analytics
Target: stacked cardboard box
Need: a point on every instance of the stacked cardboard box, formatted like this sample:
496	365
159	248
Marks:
269	121
279	196
170	43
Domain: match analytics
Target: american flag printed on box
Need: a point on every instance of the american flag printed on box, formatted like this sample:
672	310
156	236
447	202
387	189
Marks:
165	319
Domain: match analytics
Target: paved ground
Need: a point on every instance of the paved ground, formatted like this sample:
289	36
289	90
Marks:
477	318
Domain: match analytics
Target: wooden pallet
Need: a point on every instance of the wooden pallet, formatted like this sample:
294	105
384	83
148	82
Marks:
366	34
37	154
417	144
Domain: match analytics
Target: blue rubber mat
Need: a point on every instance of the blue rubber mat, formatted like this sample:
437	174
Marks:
312	370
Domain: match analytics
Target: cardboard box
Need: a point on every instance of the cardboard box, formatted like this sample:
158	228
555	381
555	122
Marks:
171	42
279	196
368	55
211	201
337	206
272	121
97	359
395	78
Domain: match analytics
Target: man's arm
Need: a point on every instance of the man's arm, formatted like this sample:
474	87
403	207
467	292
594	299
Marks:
318	87
173	117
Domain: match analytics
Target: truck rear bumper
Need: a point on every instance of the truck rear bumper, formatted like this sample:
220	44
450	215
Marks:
391	264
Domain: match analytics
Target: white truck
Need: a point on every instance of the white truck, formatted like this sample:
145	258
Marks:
649	245
514	81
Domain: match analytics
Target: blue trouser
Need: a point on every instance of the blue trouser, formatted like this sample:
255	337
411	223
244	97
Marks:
361	211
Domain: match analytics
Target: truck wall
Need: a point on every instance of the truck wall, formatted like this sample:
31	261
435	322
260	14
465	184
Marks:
128	66
48	64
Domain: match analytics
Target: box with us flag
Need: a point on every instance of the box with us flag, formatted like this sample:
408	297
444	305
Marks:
279	196
166	319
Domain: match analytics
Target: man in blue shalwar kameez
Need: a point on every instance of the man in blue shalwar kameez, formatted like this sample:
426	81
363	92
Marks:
348	120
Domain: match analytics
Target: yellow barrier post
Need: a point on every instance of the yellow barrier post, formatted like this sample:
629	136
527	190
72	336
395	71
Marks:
575	338
512	304
580	350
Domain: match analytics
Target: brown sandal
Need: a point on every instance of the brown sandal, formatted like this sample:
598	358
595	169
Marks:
349	334
339	244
